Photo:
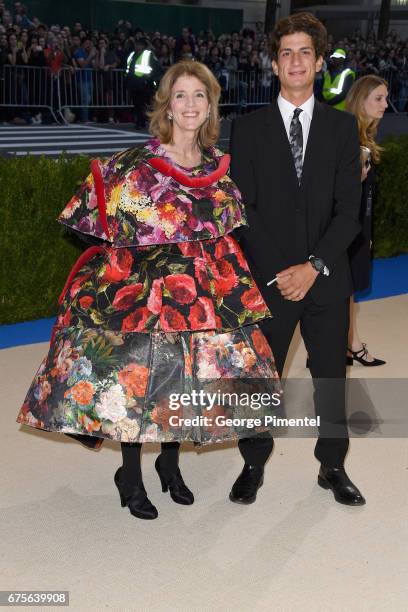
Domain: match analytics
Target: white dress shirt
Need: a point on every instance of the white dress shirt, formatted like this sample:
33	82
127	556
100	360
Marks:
287	109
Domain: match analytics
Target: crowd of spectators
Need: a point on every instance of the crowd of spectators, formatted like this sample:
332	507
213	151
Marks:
240	60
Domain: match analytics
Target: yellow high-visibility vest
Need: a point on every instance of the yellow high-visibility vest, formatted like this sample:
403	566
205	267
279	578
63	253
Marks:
332	88
142	66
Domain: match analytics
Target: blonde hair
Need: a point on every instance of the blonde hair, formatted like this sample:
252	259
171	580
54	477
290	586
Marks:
160	124
367	127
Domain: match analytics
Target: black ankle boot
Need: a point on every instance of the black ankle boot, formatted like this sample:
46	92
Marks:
173	482
137	501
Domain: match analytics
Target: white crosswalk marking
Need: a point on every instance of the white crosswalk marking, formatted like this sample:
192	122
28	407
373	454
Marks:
54	140
57	152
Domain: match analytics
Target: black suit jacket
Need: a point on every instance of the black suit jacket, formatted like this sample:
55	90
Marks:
287	223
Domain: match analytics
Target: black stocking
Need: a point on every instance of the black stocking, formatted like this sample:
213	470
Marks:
131	471
169	456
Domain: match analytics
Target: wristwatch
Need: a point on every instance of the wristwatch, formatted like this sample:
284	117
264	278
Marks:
319	265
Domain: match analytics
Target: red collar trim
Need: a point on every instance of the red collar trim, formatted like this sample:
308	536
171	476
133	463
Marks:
100	195
188	181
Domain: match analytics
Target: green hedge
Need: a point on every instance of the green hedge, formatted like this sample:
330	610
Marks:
391	204
36	253
35	256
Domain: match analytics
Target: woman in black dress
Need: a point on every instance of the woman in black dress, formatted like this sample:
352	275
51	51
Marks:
367	100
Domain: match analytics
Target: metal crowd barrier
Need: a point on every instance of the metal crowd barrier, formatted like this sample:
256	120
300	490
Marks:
393	79
90	88
37	88
397	88
32	87
247	88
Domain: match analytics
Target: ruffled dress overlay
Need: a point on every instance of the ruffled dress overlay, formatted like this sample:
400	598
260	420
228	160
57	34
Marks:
164	305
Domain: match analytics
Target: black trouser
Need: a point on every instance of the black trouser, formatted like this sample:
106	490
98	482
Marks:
324	330
140	101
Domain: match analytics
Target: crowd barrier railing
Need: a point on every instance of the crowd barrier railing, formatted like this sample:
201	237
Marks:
90	88
38	88
393	78
397	87
247	88
32	87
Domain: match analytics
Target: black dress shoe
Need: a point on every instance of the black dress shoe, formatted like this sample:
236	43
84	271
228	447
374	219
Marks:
173	482
137	501
246	486
336	479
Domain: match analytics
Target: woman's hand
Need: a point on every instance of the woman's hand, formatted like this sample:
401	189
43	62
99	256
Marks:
364	172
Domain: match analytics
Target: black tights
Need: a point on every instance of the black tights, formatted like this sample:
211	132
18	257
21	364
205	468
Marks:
131	470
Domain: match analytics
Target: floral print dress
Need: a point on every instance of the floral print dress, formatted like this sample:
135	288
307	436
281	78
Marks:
162	305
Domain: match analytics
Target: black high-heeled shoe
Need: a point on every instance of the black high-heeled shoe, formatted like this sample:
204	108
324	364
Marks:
360	357
138	503
174	483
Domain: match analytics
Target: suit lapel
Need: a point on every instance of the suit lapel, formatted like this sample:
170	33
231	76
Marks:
314	142
276	133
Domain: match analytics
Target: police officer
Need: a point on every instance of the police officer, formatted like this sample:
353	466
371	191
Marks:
337	80
143	74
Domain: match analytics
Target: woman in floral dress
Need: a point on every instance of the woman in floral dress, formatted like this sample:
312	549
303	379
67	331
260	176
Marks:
162	304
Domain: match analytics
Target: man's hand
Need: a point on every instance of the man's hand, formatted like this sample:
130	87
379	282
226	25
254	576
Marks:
295	282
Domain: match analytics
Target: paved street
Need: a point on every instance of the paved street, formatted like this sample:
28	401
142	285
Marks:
104	140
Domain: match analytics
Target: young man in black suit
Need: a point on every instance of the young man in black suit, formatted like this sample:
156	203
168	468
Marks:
297	163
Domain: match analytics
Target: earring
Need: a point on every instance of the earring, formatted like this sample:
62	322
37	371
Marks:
170	116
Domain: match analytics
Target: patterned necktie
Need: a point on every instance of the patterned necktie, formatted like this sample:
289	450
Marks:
296	142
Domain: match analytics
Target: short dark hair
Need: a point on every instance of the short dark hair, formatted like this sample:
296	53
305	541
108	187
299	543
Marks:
299	22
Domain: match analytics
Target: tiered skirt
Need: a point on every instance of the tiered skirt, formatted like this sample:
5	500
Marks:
156	344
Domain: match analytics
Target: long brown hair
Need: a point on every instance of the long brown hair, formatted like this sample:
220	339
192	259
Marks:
160	124
355	99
